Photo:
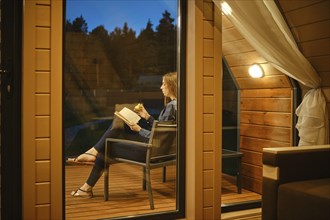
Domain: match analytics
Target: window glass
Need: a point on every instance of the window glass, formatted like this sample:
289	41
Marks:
115	52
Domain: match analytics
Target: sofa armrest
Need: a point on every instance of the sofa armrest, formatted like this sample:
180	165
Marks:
290	164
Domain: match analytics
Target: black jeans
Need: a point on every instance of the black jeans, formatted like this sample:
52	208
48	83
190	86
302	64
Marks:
127	151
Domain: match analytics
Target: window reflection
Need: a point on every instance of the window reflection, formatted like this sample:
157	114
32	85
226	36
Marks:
108	62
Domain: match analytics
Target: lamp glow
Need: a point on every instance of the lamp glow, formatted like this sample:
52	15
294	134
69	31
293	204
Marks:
226	8
256	71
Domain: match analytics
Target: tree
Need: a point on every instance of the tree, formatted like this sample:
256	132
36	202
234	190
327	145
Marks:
122	52
166	39
147	51
78	25
101	34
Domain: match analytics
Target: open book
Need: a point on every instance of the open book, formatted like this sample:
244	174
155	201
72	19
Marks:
128	116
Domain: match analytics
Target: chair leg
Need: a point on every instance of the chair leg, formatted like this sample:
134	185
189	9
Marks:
106	184
151	200
239	176
144	187
164	174
106	175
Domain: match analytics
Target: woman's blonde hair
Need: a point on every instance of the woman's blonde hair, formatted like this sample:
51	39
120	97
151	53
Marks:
171	82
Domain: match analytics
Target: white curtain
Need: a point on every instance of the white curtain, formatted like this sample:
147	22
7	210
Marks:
263	26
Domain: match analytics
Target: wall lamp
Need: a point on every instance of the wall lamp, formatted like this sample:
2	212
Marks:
256	71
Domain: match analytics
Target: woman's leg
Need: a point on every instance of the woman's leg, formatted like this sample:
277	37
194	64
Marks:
86	190
96	171
124	150
91	154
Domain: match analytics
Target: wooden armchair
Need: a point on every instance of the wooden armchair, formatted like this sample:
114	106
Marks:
160	151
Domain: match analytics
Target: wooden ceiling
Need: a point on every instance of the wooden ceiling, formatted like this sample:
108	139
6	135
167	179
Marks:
309	21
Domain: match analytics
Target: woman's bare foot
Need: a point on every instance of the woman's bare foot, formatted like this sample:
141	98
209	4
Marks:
88	156
84	191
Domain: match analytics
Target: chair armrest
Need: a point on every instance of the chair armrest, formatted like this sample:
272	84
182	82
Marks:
168	125
117	140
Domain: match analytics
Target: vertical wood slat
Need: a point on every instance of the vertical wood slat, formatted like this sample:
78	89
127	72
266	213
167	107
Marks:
56	55
28	112
37	108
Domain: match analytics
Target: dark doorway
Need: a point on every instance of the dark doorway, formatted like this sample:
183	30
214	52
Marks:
11	171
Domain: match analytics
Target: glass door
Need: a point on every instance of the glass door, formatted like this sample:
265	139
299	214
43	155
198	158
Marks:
115	55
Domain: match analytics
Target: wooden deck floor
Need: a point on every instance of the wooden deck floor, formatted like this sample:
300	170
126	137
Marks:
229	193
126	197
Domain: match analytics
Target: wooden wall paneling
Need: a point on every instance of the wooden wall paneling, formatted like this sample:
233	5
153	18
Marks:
43	195
42	82
208	29
303	15
318	47
293	5
320	63
272	93
326	92
243	71
280	119
42	15
43	212
42	104
226	23
252	170
208	66
312	31
252	184
42	37
251	157
42	149
238	46
42	60
56	168
266	132
266	104
204	122
257	144
231	35
280	81
208	179
247	58
325	76
43	172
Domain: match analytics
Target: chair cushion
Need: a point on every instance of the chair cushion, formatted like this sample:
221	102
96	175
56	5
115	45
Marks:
304	200
128	151
163	159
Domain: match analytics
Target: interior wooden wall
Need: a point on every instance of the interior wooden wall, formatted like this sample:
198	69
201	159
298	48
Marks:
266	104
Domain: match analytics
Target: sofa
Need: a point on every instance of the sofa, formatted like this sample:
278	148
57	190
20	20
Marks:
296	183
